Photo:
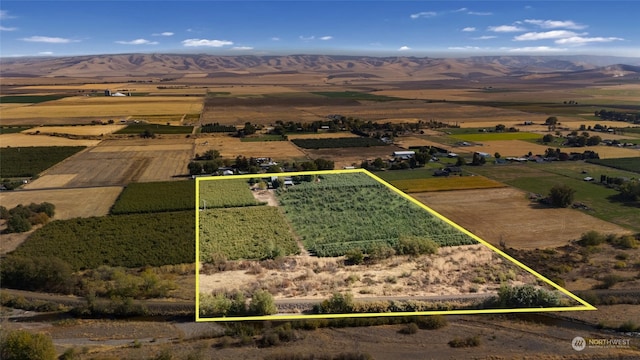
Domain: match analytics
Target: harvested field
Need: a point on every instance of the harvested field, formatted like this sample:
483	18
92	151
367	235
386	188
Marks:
118	162
506	214
611	152
445	183
352	156
107	107
326	135
69	203
23	140
230	147
88	130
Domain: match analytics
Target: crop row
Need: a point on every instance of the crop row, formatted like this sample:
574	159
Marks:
245	233
349	215
226	194
330	143
30	161
156	197
121	240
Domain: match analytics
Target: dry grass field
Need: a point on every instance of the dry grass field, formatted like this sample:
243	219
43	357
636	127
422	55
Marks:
450	272
506	214
22	140
231	147
325	135
118	162
352	156
102	106
87	130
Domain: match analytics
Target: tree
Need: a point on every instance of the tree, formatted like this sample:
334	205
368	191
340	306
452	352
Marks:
378	163
500	127
497	155
551	120
147	134
21	344
18	224
195	168
547	138
561	195
630	190
478	159
262	304
594	140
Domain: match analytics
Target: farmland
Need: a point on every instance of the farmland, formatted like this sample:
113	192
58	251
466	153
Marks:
225	193
121	240
360	213
155	197
342	142
83	130
497	136
29	99
244	233
155	129
30	161
628	164
446	183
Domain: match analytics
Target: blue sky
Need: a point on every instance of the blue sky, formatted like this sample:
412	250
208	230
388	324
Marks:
379	28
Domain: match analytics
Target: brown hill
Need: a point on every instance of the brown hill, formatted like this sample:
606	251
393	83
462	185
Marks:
401	68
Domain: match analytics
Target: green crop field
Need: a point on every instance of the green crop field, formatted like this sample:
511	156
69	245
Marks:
156	197
226	193
30	161
418	173
29	99
539	178
156	129
446	183
497	136
245	233
346	211
629	164
13	129
121	240
332	143
263	138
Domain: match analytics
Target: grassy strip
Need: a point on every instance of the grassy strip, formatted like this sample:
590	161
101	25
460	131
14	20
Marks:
263	138
156	197
13	129
446	183
155	128
30	161
354	95
29	99
245	233
629	164
332	143
497	136
124	240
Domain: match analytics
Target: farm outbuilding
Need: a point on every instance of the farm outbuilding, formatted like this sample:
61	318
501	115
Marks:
404	154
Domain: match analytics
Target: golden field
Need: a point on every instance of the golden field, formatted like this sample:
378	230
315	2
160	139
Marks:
87	130
18	140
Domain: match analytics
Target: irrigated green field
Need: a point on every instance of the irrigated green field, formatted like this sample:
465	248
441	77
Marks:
156	197
30	161
156	129
222	193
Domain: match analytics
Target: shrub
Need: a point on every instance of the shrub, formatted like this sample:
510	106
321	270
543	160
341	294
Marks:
526	296
431	322
408	329
561	195
609	280
37	274
625	242
592	238
471	341
629	326
413	245
338	304
354	256
20	344
262	304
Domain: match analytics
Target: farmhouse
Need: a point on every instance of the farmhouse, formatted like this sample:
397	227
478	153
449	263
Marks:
404	155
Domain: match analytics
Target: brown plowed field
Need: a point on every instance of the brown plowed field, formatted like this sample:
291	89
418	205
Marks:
506	214
231	147
120	162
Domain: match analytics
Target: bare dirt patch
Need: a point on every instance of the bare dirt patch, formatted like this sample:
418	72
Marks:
507	215
230	147
343	157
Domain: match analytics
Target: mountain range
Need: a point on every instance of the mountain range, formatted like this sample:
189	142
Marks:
333	66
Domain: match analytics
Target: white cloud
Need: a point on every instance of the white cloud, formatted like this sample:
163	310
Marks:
423	14
469	29
506	28
306	38
537	49
326	38
480	13
404	48
554	24
166	33
461	10
275	38
4	14
4	28
464	48
242	48
45	53
205	42
48	39
138	42
553	34
485	37
579	40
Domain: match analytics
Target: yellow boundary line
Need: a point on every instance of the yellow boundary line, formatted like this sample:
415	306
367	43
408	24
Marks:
585	305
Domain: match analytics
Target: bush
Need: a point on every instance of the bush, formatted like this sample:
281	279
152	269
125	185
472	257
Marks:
408	329
592	238
467	342
338	304
561	195
413	245
354	257
526	296
262	304
624	242
20	344
431	322
48	274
